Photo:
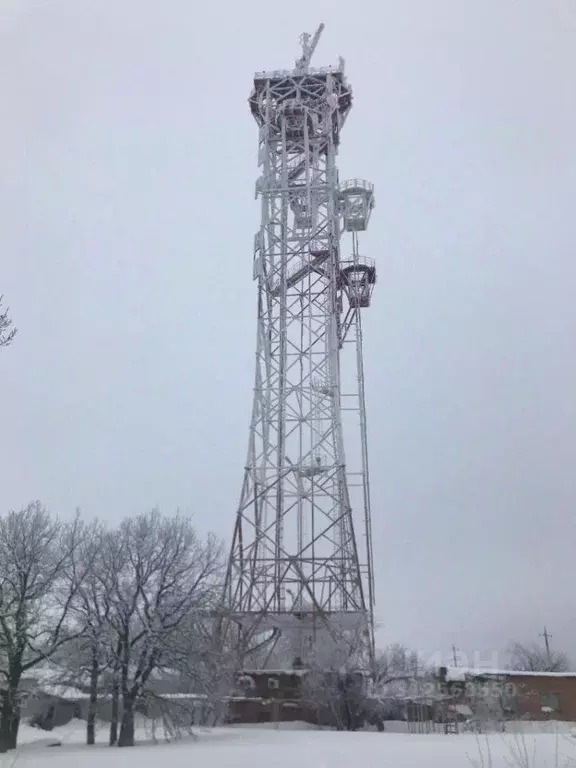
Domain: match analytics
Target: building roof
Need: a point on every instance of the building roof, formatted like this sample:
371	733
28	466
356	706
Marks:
299	672
463	673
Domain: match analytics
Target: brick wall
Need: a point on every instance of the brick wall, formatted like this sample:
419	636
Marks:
536	691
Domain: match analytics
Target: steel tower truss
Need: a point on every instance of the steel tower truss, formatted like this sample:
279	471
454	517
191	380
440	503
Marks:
295	566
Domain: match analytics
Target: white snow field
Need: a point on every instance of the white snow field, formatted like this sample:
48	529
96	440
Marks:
299	747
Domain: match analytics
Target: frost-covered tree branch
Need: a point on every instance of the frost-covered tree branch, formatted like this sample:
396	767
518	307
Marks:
7	329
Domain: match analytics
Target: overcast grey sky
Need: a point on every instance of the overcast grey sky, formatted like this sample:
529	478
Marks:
127	169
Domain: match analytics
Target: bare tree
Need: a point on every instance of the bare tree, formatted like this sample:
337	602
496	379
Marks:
90	655
161	577
396	664
533	658
192	691
202	665
491	705
35	598
7	329
337	697
399	675
336	683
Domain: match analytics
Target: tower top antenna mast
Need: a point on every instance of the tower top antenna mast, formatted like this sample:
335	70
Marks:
308	48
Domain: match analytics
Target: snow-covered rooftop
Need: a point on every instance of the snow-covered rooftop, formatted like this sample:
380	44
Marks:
298	671
463	673
63	692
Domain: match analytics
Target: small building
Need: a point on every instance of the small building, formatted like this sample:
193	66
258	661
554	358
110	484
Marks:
518	694
325	697
267	696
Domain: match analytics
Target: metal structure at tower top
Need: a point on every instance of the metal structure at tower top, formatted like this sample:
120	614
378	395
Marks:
297	568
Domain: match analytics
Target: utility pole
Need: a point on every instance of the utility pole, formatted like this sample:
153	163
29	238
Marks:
547	639
454	656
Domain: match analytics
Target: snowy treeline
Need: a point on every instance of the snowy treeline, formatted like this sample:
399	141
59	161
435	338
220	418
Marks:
533	658
113	608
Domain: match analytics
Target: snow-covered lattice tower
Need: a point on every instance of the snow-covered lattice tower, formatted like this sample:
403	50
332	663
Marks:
297	569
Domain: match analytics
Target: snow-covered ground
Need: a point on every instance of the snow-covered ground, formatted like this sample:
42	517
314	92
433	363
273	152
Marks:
300	747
